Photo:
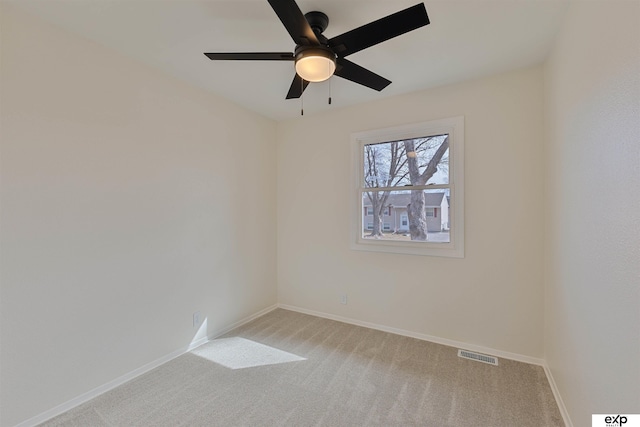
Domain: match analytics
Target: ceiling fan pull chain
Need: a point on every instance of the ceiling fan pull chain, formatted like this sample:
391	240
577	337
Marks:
329	91
302	97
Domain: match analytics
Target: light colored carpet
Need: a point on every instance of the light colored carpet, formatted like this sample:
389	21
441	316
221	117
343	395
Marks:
324	373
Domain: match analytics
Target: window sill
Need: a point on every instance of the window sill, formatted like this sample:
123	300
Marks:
448	250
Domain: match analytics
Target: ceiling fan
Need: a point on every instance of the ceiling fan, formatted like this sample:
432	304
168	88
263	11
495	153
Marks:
317	58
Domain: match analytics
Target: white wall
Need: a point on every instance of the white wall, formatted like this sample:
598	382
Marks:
129	201
115	227
592	292
493	297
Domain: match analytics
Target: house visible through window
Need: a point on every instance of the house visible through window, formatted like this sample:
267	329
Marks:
409	187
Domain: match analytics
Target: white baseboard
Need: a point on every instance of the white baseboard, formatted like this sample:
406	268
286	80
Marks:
66	406
241	322
444	341
556	394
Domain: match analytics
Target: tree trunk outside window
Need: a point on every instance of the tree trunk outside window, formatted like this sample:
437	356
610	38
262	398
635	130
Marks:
415	209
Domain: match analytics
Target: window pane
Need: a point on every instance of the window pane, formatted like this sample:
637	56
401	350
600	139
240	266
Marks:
419	161
407	215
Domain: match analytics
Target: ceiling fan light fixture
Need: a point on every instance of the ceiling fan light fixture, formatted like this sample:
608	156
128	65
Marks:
315	64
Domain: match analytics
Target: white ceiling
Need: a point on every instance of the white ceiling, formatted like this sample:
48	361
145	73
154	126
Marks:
466	39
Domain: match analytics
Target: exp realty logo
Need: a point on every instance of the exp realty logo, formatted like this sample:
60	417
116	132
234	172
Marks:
619	420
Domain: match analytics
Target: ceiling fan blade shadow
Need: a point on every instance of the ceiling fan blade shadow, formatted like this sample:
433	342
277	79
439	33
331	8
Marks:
298	85
379	31
295	22
251	56
357	74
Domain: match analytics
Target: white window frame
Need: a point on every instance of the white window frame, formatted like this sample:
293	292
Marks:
454	127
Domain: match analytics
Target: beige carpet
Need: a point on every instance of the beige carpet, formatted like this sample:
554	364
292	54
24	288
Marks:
298	370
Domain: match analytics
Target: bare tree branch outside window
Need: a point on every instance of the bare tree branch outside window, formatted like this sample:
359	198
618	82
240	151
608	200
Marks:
400	164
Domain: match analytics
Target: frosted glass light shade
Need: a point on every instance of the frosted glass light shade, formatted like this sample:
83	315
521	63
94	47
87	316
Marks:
315	65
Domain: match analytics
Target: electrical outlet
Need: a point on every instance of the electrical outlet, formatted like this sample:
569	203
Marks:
196	319
343	299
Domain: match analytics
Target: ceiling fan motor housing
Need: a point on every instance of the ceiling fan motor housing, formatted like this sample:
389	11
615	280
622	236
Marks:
304	51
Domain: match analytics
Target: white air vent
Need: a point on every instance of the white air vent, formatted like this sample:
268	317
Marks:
478	357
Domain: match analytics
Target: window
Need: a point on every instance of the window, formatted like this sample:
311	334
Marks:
368	210
410	178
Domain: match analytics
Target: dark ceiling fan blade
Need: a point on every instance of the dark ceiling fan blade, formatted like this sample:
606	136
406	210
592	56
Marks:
381	30
357	74
298	85
295	22
251	56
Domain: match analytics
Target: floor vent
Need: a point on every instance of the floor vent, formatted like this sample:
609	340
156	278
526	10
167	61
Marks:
478	357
